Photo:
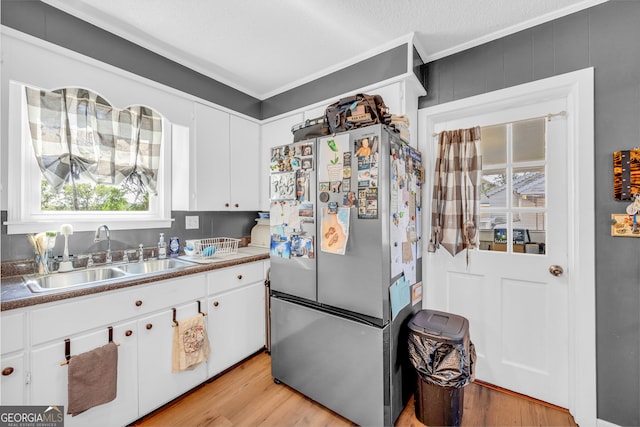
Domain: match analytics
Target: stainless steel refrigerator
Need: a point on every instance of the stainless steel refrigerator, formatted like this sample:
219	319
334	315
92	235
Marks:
345	275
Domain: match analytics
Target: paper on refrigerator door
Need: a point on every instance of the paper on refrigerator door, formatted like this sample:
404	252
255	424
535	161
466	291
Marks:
334	230
409	268
285	214
331	155
416	293
400	294
291	216
276	216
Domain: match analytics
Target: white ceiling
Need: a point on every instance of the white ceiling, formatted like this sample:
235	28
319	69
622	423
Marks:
264	47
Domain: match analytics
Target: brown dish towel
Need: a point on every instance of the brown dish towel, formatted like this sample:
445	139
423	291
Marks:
92	378
190	344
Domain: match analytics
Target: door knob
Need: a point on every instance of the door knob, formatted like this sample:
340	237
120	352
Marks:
556	270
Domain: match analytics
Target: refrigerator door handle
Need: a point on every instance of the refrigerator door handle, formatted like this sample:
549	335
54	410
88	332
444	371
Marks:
377	323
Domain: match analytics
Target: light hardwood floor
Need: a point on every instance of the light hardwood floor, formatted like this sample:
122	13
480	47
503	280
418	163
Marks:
247	396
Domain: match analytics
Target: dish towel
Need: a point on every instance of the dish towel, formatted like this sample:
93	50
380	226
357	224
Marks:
190	344
92	378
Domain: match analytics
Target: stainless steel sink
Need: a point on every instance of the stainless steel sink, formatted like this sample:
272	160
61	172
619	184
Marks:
155	266
101	275
73	278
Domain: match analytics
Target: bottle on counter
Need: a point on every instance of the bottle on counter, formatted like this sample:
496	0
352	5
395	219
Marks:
162	247
174	246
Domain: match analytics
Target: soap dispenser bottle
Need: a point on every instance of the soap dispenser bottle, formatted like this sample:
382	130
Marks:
162	247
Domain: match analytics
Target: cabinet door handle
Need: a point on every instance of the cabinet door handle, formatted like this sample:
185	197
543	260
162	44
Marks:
216	303
138	303
239	276
226	205
237	205
149	326
129	332
7	371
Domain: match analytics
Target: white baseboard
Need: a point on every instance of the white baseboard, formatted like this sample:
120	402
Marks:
603	423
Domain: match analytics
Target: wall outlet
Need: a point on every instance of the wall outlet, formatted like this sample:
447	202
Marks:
191	222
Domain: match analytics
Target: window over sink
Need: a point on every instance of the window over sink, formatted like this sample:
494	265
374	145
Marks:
74	158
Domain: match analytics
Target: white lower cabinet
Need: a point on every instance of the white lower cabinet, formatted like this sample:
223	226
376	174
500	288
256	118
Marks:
13	379
13	360
142	321
49	379
236	325
157	383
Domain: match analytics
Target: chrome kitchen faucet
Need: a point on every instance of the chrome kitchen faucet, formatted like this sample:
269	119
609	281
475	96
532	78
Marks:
108	235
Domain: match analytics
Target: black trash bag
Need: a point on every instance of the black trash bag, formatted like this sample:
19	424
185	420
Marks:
442	363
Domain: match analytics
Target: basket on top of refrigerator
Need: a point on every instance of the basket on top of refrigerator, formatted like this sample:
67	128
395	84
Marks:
208	248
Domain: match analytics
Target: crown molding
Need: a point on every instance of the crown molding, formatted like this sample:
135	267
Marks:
513	29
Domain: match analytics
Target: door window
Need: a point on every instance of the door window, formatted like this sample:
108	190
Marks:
513	194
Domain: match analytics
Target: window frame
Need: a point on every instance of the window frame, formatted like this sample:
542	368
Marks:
509	168
24	177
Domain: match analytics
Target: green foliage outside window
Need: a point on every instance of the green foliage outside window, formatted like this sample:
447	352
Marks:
93	197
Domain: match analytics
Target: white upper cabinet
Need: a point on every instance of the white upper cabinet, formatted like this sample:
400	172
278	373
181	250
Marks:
216	167
211	158
244	161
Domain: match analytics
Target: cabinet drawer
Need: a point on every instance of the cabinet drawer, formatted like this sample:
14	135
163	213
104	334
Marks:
234	277
82	314
167	293
13	332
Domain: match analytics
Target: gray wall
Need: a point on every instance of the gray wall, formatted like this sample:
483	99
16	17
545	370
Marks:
378	68
212	224
606	37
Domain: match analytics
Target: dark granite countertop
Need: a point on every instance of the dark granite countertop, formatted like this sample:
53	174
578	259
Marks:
15	293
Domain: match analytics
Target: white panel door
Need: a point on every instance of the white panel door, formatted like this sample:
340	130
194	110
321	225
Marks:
517	309
236	326
156	382
49	384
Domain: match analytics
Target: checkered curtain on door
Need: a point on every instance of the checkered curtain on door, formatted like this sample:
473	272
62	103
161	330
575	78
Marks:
75	131
456	192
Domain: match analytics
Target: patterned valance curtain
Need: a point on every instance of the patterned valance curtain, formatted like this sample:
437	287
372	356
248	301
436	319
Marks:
456	191
75	131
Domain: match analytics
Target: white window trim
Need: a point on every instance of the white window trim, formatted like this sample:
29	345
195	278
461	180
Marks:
24	186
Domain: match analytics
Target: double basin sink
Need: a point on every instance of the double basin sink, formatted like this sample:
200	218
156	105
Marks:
102	275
